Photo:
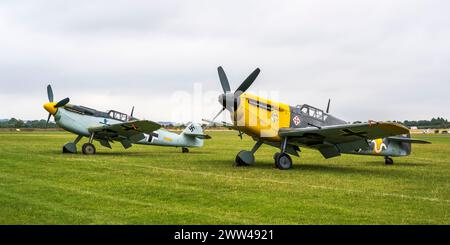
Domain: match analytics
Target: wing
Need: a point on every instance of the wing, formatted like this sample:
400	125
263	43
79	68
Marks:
126	133
332	140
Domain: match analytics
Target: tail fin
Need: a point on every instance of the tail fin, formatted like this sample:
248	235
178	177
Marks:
404	142
195	130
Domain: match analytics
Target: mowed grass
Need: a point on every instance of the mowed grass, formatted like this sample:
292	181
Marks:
159	185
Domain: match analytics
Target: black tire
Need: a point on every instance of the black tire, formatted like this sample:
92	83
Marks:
240	162
275	156
283	161
88	149
184	150
388	161
70	148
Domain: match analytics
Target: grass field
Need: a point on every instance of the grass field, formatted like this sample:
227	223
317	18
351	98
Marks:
156	185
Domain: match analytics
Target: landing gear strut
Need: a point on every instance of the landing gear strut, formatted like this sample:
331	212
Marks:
247	158
282	160
388	161
89	148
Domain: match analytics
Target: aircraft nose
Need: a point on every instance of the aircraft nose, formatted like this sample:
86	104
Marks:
228	101
222	99
50	107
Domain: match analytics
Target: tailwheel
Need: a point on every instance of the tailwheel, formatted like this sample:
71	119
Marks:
244	158
88	149
388	161
283	161
184	150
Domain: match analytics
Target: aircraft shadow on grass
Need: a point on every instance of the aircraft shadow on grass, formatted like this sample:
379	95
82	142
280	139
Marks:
383	171
133	154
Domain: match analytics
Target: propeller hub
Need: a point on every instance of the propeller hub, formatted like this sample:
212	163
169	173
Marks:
51	107
228	101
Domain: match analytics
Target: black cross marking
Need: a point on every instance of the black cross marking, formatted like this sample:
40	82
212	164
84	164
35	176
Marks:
348	132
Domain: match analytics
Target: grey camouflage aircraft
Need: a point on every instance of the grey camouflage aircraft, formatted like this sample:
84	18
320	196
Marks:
107	127
291	127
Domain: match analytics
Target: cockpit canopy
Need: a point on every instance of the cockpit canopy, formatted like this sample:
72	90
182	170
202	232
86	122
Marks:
84	110
118	115
311	112
92	112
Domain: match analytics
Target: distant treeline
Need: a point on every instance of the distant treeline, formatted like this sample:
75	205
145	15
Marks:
17	123
433	123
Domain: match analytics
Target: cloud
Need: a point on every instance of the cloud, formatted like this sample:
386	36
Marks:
383	60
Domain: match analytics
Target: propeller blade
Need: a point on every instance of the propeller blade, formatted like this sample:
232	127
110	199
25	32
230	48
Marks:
48	119
328	106
210	122
223	80
50	93
218	114
132	111
248	81
62	102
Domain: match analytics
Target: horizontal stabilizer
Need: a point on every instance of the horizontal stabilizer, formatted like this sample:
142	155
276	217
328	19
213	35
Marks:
408	140
200	136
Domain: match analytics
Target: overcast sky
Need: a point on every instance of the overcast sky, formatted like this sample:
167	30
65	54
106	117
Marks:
380	60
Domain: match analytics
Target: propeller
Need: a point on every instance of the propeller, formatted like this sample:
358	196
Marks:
328	106
248	81
50	93
51	106
62	102
48	119
223	80
214	118
230	100
132	111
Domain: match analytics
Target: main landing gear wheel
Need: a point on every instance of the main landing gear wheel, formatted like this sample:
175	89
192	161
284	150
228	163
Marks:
184	150
88	149
244	158
283	161
388	161
275	156
70	148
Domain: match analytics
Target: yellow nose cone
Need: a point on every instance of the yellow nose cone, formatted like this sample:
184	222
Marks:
50	107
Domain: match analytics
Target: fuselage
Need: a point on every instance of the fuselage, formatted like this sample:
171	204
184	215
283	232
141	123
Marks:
262	118
78	120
